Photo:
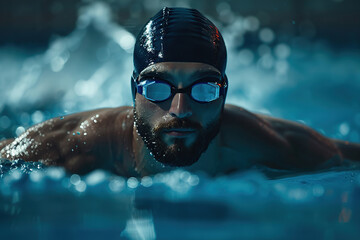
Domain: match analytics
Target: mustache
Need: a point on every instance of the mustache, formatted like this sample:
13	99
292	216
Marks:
178	123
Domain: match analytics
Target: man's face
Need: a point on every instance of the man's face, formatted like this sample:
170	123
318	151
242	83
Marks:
178	130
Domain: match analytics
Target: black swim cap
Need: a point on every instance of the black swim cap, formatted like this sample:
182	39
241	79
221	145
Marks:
179	35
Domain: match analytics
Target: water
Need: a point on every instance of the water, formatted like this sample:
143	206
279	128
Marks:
303	80
41	203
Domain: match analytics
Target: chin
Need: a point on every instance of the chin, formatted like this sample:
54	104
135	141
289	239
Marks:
178	154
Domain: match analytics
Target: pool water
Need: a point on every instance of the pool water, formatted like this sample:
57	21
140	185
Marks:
310	82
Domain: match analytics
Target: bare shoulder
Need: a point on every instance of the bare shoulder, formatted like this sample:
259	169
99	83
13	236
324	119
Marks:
241	125
73	141
278	142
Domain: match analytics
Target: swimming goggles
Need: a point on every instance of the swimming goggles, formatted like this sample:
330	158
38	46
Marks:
158	90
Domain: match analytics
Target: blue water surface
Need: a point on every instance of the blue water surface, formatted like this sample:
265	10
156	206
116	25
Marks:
304	80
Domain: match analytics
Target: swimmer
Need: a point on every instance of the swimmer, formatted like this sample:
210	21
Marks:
179	117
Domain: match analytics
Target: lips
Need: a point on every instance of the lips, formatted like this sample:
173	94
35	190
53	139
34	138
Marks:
179	132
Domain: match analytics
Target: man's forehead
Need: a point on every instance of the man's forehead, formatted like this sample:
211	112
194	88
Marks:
178	68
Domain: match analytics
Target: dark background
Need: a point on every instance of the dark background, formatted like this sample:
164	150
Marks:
33	23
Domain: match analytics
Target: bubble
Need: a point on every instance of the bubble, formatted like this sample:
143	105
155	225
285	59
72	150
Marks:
318	190
193	180
37	117
124	39
146	181
55	173
224	11
56	64
85	88
266	61
62	118
223	8
132	182
75	179
116	185
78	133
344	128
19	130
297	194
95	177
280	187
81	186
251	23
4	122
282	51
266	35
36	176
16	175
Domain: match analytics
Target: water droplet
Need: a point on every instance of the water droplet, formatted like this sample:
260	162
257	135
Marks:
132	182
78	133
73	134
62	118
81	186
85	134
146	181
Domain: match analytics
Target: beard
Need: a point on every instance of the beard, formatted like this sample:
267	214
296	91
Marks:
178	153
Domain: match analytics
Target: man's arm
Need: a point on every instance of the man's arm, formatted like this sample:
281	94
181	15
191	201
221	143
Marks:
309	149
80	142
279	143
5	142
348	150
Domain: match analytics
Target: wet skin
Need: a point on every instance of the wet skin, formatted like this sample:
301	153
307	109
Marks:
108	138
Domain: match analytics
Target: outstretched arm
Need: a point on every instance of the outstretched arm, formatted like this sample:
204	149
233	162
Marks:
348	150
5	142
309	149
79	142
279	143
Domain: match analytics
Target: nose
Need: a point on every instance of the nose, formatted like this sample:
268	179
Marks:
180	107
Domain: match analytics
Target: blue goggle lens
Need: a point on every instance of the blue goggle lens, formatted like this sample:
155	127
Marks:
158	91
205	92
